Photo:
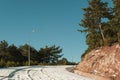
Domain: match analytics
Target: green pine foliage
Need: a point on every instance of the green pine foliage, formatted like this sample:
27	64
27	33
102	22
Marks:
50	54
10	55
11	63
101	32
115	22
2	63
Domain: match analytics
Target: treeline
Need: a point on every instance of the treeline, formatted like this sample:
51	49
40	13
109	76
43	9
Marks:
101	23
10	55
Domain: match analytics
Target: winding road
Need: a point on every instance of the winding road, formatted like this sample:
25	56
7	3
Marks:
39	73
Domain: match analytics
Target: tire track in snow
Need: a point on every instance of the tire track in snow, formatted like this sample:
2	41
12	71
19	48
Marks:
43	71
17	72
28	73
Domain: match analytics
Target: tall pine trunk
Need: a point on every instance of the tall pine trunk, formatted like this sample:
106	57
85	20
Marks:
101	32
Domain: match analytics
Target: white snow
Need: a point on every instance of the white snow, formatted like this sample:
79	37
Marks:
39	73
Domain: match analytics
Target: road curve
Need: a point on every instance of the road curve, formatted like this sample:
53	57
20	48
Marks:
39	73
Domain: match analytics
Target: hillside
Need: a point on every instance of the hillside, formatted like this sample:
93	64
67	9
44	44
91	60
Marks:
104	61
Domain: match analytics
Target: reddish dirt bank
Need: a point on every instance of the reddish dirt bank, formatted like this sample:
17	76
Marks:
103	62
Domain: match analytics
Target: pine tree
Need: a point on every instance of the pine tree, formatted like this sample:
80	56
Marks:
50	54
115	22
93	24
4	50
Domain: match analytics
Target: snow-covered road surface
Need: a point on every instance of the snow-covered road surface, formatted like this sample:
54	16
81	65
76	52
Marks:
39	73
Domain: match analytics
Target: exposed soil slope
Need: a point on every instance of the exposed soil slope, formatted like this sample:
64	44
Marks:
104	61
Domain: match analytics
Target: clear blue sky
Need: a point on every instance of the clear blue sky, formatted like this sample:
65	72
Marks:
54	21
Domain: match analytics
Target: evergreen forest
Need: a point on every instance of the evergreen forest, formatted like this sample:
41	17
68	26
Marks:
10	55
